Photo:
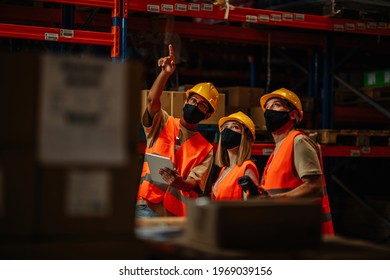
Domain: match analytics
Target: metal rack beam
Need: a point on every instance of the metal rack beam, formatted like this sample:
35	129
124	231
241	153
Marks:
90	3
112	39
56	34
265	149
226	33
262	17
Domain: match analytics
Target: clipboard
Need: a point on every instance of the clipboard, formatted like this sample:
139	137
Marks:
156	162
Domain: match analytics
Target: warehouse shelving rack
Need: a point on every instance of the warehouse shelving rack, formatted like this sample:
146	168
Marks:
258	16
122	8
121	23
281	24
113	39
125	17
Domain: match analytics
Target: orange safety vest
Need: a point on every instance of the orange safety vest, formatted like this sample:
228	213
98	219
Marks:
278	177
228	188
190	154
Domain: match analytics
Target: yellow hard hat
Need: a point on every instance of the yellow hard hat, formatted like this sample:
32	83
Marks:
284	94
207	91
241	118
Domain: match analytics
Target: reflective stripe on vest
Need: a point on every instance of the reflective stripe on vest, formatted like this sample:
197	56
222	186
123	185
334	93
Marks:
191	153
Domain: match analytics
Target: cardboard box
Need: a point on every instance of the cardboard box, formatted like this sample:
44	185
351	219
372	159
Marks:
173	102
166	100
88	200
242	96
219	113
257	116
254	225
53	207
88	195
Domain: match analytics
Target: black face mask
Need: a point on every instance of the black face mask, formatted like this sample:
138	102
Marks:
230	139
275	119
192	114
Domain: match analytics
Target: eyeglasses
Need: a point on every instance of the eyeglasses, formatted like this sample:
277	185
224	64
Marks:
202	106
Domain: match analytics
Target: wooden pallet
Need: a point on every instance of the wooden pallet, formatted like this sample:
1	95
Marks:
346	137
378	93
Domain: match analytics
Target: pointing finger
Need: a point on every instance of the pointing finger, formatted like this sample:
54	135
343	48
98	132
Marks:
171	51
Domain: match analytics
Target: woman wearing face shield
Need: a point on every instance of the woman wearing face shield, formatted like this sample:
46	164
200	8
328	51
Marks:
234	157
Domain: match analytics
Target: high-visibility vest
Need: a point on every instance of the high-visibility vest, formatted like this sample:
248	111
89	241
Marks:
278	177
228	188
190	154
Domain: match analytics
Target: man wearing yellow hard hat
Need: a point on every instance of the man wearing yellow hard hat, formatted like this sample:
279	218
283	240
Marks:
294	169
179	140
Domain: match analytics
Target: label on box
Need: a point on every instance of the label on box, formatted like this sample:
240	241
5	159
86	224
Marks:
82	111
88	194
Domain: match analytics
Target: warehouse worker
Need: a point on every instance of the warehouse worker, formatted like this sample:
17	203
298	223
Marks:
234	157
294	169
179	140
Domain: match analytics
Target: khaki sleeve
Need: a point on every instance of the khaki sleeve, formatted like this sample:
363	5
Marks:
306	161
201	172
153	127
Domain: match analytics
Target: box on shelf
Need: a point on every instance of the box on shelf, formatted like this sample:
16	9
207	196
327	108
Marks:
242	96
257	116
173	102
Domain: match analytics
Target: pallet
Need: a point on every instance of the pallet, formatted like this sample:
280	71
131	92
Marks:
378	93
346	137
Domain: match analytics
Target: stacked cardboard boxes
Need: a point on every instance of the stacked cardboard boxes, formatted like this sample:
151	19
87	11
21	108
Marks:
173	102
70	167
246	100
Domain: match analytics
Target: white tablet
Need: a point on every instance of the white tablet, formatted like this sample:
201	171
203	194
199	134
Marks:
156	162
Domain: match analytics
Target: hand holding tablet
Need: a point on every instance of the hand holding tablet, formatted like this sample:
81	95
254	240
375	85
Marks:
157	162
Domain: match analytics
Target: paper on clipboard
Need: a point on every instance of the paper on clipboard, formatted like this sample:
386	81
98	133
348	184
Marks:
156	162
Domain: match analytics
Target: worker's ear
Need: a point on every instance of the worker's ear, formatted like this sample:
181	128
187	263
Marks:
294	114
